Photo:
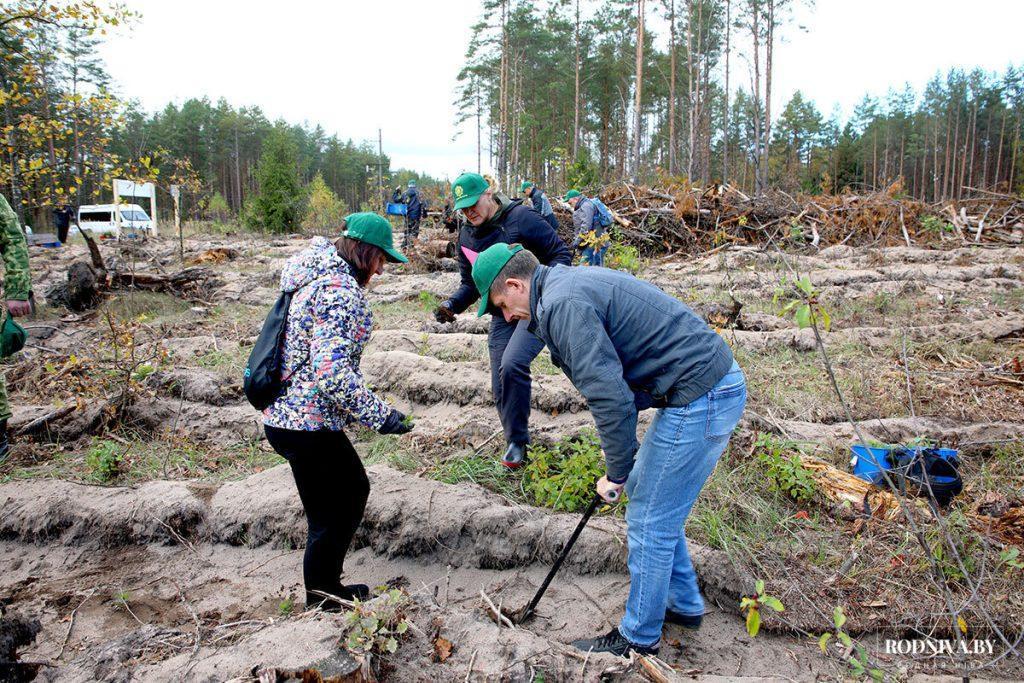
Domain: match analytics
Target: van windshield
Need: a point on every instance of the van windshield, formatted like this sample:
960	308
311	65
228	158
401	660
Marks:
134	216
95	217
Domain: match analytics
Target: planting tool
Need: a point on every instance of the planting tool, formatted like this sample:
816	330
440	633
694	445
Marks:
527	611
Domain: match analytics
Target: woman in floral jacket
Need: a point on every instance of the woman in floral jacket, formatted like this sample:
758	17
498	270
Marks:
329	323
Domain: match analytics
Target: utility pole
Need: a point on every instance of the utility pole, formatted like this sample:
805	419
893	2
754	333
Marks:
478	127
638	117
380	170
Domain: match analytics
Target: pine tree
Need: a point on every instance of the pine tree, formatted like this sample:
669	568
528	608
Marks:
324	210
277	206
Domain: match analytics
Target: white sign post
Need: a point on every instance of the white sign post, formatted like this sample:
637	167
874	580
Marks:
130	188
176	195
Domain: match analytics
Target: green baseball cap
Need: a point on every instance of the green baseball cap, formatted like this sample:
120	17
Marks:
373	229
526	186
571	193
487	266
467	189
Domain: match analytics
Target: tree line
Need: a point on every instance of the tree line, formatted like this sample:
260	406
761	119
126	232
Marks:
66	135
577	92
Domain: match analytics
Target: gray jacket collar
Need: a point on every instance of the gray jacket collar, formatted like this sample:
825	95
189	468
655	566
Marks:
540	276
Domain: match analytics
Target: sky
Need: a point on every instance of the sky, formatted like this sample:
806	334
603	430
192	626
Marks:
356	66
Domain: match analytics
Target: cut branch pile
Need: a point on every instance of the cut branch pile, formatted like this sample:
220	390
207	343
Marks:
87	281
694	220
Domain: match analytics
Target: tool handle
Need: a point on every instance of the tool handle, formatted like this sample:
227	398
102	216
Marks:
561	558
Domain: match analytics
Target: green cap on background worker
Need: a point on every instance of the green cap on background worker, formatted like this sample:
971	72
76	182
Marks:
526	186
467	189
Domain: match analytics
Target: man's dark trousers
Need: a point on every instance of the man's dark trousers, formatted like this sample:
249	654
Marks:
412	230
552	221
512	348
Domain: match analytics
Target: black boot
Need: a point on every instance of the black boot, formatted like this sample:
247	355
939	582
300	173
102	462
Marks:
515	456
687	621
615	643
354	591
5	446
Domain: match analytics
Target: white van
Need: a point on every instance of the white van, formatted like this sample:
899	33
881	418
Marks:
101	220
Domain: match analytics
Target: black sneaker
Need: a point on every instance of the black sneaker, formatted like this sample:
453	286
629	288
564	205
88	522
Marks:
688	621
515	456
615	643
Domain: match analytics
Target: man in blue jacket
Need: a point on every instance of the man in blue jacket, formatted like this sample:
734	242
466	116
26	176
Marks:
415	210
540	203
626	346
585	219
491	219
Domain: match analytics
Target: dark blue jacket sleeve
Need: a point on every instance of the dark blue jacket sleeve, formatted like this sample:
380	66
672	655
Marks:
466	294
539	237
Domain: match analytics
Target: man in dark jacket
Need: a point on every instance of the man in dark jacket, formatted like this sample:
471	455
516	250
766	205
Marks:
627	345
540	203
495	219
416	209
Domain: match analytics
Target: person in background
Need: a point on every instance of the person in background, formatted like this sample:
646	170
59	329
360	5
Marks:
493	218
416	210
329	323
586	219
626	346
540	203
62	222
17	295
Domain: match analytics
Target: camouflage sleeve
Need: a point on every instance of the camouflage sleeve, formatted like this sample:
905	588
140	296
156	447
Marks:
17	279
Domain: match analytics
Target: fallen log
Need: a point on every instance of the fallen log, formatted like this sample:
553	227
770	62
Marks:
852	492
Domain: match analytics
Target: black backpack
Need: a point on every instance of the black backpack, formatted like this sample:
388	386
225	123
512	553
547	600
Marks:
263	381
927	474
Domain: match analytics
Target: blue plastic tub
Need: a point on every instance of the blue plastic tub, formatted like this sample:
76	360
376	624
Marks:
394	209
868	463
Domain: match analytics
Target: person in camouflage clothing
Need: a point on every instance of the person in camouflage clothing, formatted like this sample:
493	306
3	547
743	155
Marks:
17	289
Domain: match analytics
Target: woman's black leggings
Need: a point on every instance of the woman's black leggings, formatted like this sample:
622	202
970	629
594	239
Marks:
333	488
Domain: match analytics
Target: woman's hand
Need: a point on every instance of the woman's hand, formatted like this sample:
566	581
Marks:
396	423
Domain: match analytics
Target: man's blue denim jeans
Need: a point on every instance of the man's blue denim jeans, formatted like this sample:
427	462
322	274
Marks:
677	456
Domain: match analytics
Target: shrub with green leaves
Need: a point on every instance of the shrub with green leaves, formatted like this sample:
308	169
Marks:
784	470
936	225
377	625
562	477
623	257
104	460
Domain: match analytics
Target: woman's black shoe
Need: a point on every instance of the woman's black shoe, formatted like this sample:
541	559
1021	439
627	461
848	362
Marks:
354	591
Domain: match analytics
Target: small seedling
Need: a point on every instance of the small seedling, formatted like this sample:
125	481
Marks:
104	460
428	300
1010	558
858	662
785	472
286	607
376	626
802	300
752	606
